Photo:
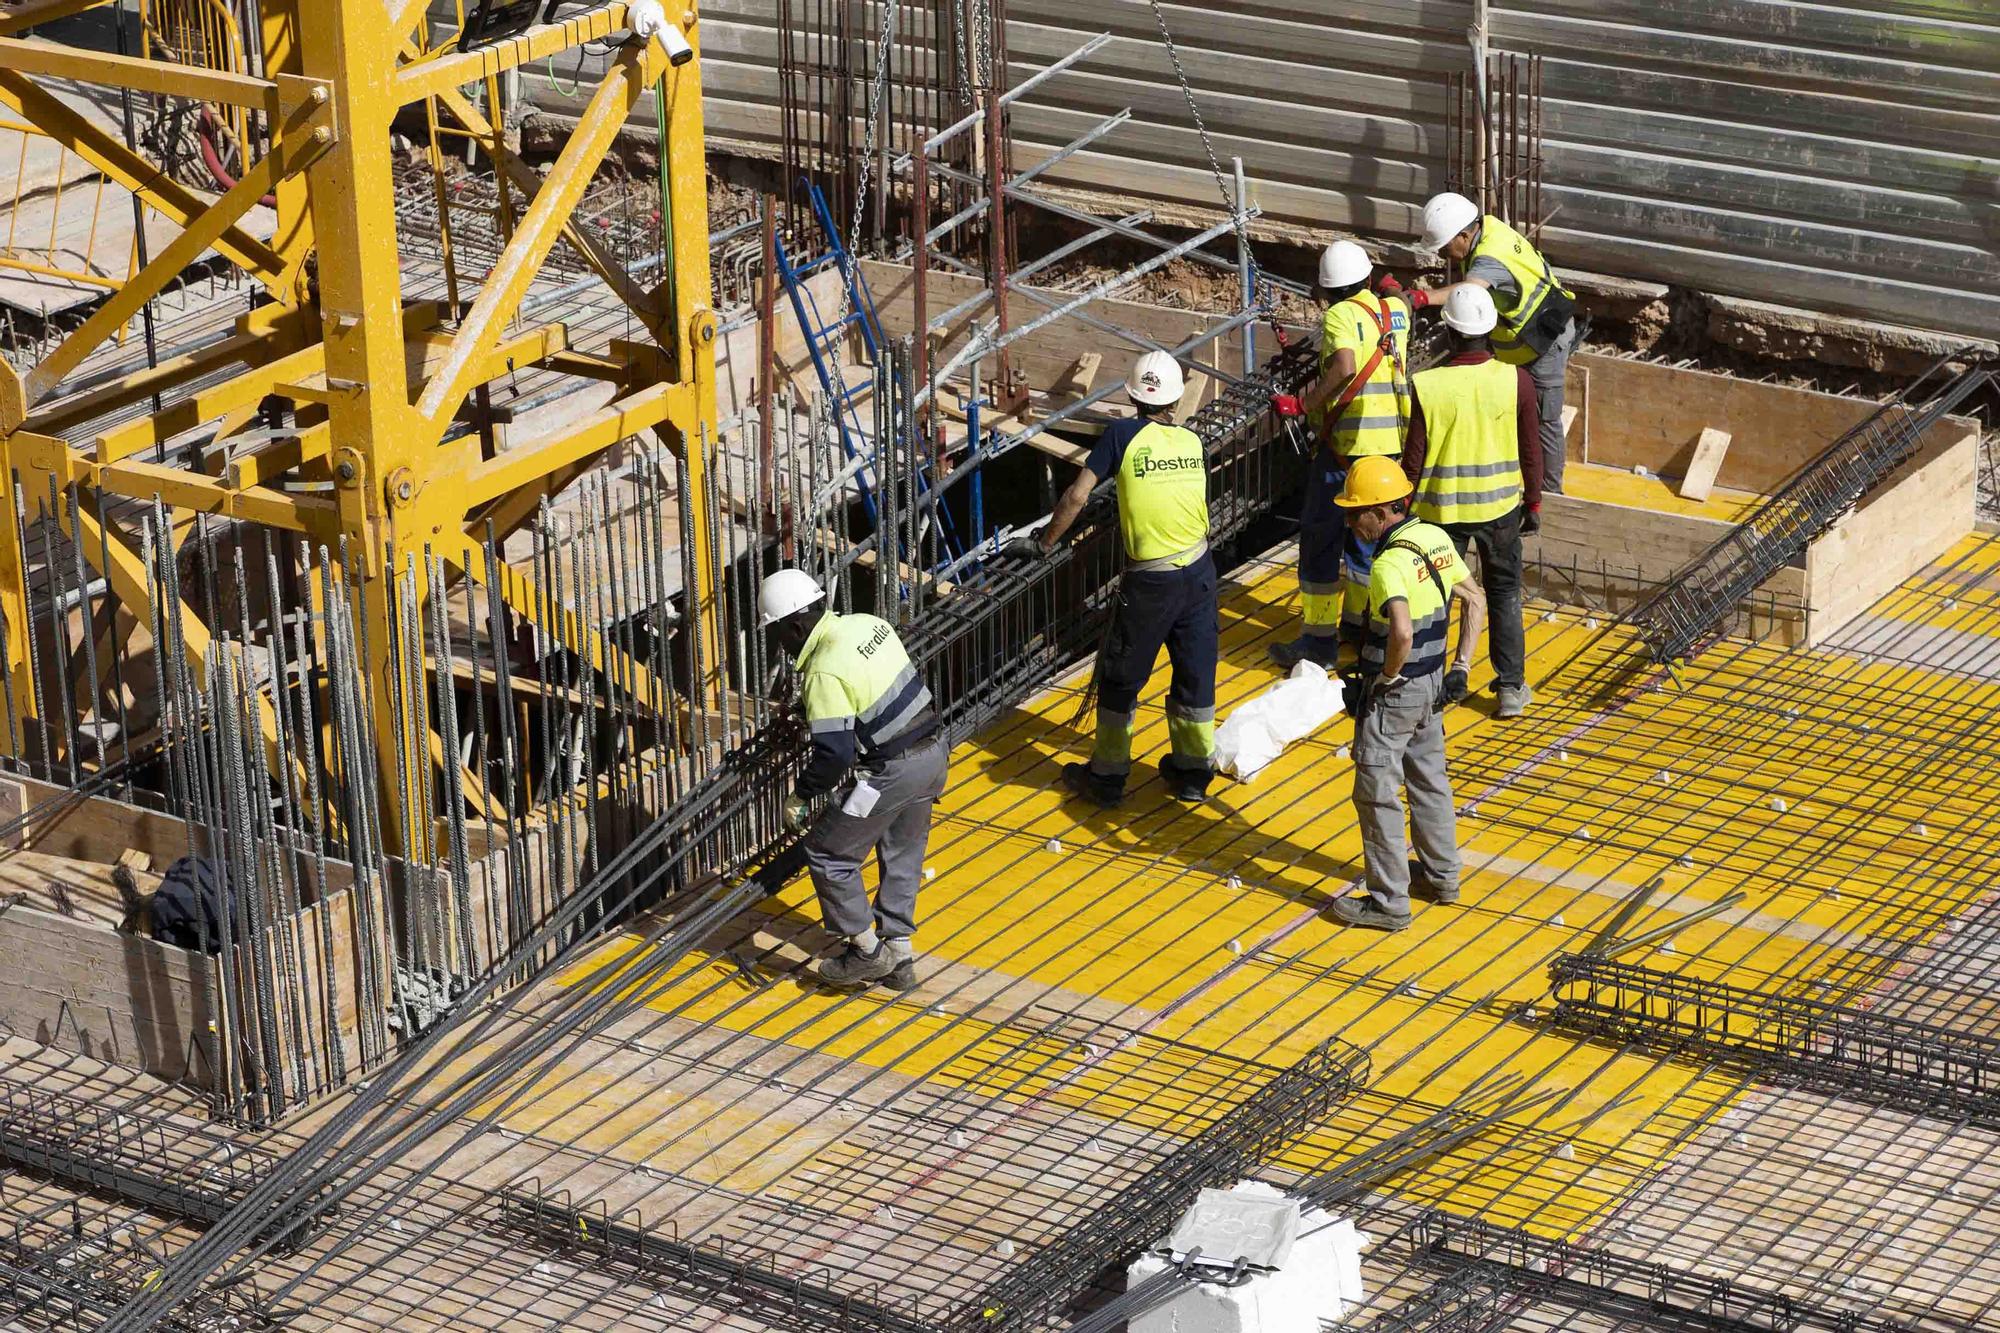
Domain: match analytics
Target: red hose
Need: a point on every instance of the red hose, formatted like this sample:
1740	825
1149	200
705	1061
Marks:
205	133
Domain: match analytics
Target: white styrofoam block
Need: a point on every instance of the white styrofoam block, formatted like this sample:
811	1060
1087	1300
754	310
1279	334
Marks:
1320	1279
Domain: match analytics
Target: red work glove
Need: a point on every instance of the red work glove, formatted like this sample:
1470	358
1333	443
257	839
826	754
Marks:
1389	286
1531	522
1419	298
1287	405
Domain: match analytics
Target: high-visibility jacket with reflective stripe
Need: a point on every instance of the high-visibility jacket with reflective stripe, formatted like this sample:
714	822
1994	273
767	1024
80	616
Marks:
1373	421
1401	572
861	691
1501	243
1163	497
1472	462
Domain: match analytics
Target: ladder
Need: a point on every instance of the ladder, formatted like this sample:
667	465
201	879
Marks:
822	339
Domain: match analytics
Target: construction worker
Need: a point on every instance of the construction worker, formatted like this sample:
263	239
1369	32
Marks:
1474	457
1399	699
1167	596
1357	409
1535	328
869	711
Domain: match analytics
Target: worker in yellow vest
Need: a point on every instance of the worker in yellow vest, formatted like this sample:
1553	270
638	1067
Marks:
878	744
1358	409
1473	454
1167	596
1415	580
1535	328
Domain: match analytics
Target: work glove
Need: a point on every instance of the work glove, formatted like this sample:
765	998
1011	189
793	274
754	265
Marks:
1354	694
1456	685
1419	298
1287	405
796	810
1531	522
1023	548
1388	286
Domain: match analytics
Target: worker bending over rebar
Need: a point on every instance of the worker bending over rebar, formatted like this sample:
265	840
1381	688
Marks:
1535	329
1398	697
1167	595
870	713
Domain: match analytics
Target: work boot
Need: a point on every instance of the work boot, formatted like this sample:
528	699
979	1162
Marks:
1186	783
1514	700
1364	911
1305	648
1441	896
1285	656
852	968
903	978
1107	792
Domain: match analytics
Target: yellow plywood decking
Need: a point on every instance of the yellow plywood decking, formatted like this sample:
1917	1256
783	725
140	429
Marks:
1822	786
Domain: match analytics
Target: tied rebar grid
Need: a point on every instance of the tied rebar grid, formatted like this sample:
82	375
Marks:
174	1168
751	1278
1616	1286
1685	613
62	1268
1786	1038
715	803
1234	1148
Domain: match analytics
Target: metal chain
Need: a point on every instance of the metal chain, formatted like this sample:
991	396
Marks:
1260	286
868	137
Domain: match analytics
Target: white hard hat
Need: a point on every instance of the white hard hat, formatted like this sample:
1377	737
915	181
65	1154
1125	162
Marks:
1445	216
1343	264
1156	380
1469	310
785	592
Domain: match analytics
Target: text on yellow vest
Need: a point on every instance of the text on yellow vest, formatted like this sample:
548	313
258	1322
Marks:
1163	494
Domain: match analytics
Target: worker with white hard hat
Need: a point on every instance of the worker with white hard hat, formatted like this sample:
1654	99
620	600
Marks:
1474	455
1168	593
1358	409
1535	328
1397	698
877	742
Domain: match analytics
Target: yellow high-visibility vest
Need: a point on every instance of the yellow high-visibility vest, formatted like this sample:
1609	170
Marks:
1374	420
1163	497
1472	460
1531	272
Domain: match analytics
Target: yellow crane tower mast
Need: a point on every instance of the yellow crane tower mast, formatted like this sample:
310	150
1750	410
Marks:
373	378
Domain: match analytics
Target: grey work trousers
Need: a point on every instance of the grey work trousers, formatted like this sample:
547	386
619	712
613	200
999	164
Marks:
1548	371
897	830
1400	743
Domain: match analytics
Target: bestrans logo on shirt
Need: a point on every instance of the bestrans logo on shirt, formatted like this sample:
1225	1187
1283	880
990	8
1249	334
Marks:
1144	462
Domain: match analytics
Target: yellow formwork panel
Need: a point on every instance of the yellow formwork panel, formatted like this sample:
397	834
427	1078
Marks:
1204	925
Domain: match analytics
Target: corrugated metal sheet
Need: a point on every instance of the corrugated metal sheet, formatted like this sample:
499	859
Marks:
1827	156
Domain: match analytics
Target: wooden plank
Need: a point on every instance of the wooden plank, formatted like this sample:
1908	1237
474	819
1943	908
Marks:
1910	520
1709	452
1661	412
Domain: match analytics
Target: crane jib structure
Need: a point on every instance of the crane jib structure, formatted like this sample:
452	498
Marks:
370	379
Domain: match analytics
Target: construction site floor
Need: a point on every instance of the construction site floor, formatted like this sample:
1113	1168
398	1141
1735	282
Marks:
1099	987
1134	969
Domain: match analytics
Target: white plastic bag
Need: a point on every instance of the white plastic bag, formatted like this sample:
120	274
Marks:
1259	731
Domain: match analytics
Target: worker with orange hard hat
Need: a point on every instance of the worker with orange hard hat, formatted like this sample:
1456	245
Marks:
1398	696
